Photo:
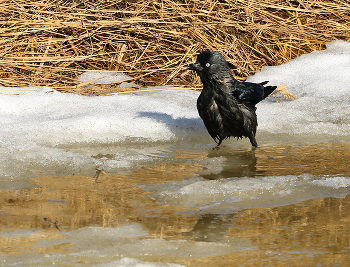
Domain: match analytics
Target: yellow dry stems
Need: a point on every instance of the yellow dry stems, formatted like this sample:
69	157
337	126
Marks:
282	89
52	42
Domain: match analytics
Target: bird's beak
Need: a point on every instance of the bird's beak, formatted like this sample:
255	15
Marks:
195	66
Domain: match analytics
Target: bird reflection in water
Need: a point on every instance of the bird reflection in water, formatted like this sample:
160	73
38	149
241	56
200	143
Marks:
230	162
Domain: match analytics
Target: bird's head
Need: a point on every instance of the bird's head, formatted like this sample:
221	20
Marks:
210	63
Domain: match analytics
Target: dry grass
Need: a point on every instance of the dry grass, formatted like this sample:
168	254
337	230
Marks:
52	42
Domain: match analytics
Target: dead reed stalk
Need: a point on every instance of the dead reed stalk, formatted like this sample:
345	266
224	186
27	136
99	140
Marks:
52	42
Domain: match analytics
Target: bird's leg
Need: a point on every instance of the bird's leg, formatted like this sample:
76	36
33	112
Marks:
218	144
253	141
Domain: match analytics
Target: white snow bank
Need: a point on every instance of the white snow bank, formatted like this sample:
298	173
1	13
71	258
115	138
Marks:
321	79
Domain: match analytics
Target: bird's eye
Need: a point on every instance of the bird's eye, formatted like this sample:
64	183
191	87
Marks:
207	65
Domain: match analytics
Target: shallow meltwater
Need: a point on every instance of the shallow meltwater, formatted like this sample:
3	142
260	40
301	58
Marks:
278	205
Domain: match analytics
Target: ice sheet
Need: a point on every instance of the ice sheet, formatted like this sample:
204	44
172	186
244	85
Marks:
110	247
225	196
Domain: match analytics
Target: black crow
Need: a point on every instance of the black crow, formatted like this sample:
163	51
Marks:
227	106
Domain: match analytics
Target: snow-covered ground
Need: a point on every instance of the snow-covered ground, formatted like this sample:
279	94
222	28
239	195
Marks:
321	79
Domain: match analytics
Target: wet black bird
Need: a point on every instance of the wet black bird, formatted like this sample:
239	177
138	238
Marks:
227	106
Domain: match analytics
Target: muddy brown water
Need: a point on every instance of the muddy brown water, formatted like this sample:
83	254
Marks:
37	223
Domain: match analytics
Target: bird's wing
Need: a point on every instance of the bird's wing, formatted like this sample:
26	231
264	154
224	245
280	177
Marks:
252	93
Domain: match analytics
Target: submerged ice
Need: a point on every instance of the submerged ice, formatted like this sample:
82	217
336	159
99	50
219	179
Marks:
225	196
111	248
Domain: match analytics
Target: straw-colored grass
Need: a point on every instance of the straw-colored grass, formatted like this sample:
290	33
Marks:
52	42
